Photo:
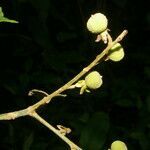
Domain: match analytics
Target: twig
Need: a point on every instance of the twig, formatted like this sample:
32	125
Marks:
48	98
84	71
31	92
56	131
30	111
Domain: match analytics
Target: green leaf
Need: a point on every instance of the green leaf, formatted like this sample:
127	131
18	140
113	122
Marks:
94	134
4	19
1	12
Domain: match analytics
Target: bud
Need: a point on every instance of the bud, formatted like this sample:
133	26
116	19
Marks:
93	80
116	53
118	145
97	23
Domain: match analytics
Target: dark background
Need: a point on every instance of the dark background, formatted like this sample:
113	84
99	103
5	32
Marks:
48	47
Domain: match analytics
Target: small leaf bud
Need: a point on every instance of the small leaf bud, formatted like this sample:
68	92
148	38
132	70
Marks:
93	80
97	23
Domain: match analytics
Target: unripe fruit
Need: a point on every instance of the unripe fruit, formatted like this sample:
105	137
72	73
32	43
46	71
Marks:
97	23
116	53
118	145
93	80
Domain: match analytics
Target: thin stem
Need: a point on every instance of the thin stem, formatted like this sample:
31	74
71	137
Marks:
31	109
84	71
56	131
48	98
33	91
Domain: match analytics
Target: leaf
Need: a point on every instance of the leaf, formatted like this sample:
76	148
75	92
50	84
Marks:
28	142
94	134
1	12
142	138
4	19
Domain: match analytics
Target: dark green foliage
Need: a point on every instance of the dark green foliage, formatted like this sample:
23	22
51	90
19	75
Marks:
48	47
95	132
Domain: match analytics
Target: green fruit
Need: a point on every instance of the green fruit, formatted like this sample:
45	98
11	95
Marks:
118	145
97	23
93	80
116	53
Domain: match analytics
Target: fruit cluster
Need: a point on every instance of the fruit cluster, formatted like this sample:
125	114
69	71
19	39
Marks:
97	24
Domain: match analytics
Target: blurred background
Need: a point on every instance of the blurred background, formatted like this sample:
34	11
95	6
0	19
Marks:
48	47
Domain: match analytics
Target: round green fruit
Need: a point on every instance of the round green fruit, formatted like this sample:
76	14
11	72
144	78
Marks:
97	23
93	80
116	53
118	145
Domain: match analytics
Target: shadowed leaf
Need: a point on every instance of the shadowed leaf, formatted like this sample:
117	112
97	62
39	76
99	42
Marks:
94	134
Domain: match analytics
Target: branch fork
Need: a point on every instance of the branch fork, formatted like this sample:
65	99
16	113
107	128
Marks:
61	131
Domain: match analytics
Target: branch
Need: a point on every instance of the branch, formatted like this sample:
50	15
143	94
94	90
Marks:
13	115
84	71
56	131
31	110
